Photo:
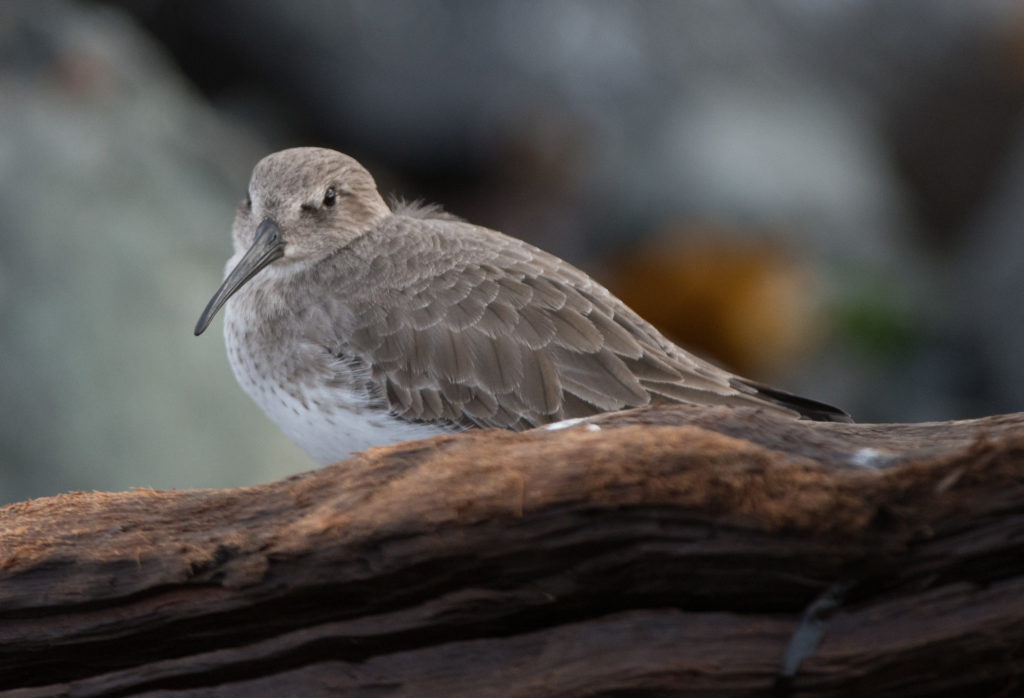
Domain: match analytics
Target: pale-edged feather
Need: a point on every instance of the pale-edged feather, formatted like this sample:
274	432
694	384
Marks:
492	332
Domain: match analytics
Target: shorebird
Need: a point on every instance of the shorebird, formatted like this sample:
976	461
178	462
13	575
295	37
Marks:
354	325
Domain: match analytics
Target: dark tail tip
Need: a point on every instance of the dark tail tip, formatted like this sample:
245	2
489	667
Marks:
809	409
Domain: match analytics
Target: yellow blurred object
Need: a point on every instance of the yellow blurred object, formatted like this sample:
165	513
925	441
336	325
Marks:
747	302
1010	45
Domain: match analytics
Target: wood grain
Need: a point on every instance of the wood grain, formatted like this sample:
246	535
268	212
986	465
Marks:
662	551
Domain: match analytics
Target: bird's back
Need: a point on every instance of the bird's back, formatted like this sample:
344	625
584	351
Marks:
461	324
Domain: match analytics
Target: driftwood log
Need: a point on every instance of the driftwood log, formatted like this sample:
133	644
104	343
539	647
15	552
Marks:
661	552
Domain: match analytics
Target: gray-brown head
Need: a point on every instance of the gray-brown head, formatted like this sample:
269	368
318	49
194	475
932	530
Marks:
302	205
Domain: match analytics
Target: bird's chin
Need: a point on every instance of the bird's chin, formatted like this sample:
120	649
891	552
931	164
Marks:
294	255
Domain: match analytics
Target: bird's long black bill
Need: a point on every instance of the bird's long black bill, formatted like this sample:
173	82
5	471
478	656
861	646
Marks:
268	247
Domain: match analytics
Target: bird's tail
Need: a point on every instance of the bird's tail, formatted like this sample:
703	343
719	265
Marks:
809	409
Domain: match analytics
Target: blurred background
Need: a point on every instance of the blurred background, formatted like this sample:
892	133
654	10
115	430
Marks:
826	196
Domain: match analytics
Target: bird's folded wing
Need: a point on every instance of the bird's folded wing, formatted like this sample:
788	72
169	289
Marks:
513	337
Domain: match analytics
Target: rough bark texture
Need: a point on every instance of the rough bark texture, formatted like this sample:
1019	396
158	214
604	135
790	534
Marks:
674	551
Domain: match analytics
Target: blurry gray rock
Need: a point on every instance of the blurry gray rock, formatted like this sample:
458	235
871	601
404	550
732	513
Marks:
117	189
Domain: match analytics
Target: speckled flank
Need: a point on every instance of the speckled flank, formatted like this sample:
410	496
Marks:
344	417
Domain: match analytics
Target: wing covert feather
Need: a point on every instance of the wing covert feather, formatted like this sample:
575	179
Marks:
492	320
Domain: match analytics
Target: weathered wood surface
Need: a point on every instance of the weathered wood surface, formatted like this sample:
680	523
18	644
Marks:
659	552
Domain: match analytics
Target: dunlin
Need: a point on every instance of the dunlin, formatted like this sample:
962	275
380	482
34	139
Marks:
354	325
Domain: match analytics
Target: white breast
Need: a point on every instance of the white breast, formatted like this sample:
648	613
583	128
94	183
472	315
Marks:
327	422
331	434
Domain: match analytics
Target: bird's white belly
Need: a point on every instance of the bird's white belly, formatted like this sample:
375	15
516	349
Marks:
328	422
331	434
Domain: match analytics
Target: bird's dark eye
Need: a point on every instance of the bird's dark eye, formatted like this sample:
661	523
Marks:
330	196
